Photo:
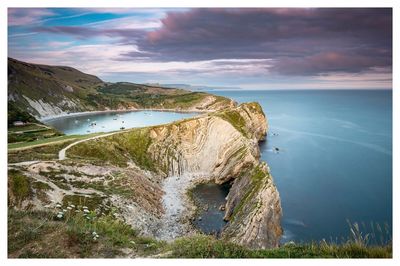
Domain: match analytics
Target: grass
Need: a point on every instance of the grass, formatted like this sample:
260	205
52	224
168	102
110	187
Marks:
45	152
210	247
144	96
38	234
19	187
92	202
257	176
48	141
235	119
118	149
27	127
30	133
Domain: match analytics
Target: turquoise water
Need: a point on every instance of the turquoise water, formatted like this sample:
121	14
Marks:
334	160
111	121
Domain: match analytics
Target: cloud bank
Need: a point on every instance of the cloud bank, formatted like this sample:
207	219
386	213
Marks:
261	44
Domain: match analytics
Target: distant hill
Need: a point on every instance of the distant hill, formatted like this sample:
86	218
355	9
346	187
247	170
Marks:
197	87
43	91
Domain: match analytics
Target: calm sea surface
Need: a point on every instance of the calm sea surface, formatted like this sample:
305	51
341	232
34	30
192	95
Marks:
334	161
110	121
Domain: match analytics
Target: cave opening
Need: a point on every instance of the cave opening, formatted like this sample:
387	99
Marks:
210	200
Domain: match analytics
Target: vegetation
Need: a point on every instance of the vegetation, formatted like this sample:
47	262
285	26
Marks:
48	141
38	234
31	132
258	177
209	247
15	113
118	149
44	149
235	119
71	90
19	188
53	83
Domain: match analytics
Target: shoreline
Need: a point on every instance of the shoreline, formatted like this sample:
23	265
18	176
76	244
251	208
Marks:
77	114
180	209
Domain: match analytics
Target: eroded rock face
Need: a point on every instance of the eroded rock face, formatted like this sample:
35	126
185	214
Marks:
224	147
253	210
220	147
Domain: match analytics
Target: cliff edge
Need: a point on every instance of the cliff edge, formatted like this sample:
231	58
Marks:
220	147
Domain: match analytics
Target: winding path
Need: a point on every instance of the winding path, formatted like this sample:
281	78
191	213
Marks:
62	153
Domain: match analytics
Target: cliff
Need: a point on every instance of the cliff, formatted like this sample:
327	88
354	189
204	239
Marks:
220	146
44	91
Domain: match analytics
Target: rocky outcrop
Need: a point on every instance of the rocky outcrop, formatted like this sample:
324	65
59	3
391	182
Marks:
253	210
220	147
224	147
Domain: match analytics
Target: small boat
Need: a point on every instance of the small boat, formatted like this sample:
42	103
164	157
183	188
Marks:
114	118
88	119
122	128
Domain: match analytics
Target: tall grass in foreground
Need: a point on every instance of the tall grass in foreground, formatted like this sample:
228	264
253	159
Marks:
377	243
209	247
377	234
72	231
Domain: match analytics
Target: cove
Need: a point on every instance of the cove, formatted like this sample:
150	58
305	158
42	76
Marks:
96	122
208	197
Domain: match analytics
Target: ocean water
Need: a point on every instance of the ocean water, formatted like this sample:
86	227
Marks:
208	197
111	121
334	161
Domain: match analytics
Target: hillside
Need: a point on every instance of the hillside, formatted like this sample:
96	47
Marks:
45	91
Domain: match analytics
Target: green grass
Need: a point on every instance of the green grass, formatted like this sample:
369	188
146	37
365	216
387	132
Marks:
26	127
17	113
34	234
92	202
235	119
209	247
41	185
118	149
30	133
19	187
38	234
44	152
13	146
148	96
257	177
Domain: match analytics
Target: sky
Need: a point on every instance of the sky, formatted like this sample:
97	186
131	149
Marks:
264	48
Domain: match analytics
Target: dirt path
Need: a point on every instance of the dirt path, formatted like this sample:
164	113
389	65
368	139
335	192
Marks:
62	153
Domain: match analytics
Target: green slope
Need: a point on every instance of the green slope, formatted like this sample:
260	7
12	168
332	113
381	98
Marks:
42	90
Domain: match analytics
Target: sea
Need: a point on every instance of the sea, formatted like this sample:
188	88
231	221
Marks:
330	154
